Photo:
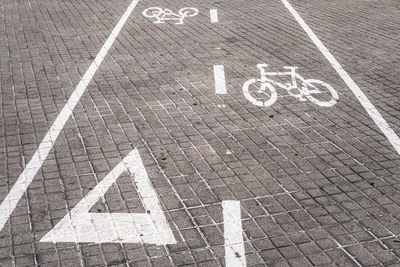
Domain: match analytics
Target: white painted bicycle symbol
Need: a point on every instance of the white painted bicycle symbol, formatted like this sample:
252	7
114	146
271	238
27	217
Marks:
316	91
163	15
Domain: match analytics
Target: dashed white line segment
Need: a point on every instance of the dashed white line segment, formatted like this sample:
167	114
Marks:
219	77
214	15
17	191
362	98
233	234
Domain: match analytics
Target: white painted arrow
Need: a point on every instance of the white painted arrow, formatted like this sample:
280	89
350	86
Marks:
81	226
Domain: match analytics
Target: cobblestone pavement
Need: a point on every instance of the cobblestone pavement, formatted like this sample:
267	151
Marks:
317	185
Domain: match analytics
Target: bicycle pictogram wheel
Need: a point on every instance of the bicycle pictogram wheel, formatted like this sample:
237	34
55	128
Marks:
188	11
320	92
256	95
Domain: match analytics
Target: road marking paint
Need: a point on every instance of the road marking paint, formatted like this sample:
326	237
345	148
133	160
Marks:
219	77
362	98
17	191
166	14
306	92
81	226
233	234
214	15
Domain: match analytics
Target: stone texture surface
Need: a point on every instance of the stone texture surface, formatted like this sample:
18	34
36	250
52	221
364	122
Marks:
317	186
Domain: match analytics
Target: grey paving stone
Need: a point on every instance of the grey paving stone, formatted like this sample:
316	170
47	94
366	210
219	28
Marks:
318	186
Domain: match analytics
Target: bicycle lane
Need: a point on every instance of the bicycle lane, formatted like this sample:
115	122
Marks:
382	164
298	169
284	185
289	170
344	140
46	47
370	163
100	138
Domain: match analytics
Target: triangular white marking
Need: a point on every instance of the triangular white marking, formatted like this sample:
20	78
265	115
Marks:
82	226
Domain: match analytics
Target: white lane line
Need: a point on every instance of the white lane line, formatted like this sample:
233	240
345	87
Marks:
17	191
219	77
214	15
233	234
372	111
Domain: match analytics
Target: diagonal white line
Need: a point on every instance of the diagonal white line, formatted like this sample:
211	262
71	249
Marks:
17	191
371	110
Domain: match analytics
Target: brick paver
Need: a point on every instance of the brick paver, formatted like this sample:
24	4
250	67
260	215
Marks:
317	185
